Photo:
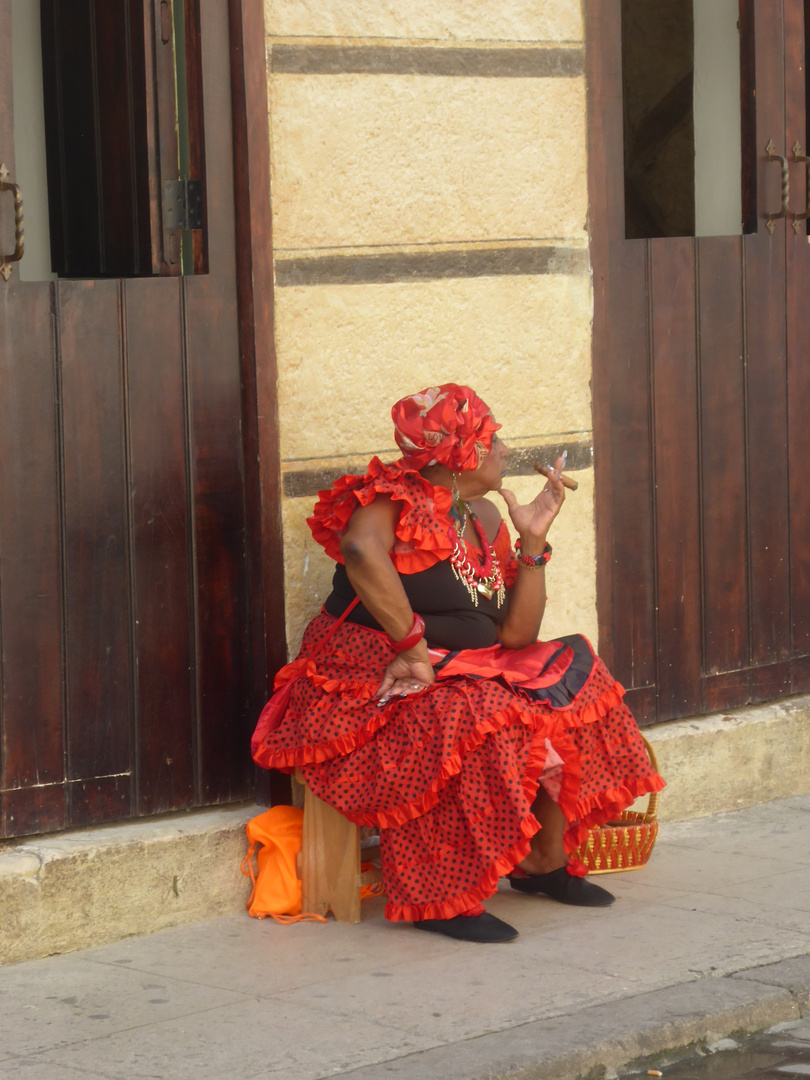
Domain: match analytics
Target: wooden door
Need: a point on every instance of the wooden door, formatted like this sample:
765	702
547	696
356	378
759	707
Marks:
702	398
132	668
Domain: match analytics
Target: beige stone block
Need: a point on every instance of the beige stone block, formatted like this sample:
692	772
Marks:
511	20
399	159
308	570
346	353
727	761
571	572
91	887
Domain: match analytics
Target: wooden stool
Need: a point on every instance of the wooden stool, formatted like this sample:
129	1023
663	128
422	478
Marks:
330	861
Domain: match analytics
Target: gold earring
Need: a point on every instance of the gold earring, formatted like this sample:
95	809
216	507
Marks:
459	506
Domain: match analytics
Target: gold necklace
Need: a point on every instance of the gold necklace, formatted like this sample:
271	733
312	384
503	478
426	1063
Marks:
486	580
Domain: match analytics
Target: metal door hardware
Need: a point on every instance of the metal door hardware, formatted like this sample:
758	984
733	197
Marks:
802	159
772	219
19	225
182	204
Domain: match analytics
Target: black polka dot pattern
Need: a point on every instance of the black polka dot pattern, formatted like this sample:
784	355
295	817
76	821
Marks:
449	775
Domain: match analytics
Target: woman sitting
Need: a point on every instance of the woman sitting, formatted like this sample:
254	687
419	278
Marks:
421	701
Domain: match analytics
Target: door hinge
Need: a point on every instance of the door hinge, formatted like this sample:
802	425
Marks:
182	204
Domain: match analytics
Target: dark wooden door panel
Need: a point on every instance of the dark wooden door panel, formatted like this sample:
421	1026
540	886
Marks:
766	350
674	397
161	572
31	688
632	555
102	799
723	595
96	541
798	347
624	480
723	464
222	647
32	744
34	809
216	439
769	681
128	680
727	690
800	675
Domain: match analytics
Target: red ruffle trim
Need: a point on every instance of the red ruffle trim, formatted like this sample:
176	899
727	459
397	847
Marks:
610	698
504	864
423	534
452	766
608	805
287	760
594	811
550	728
604	808
448	909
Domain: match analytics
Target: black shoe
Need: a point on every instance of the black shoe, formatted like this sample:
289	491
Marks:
562	886
484	927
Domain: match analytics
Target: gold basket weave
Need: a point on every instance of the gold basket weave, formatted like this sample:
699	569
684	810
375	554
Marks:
625	844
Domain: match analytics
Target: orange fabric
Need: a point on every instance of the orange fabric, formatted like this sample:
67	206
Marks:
276	886
376	888
444	425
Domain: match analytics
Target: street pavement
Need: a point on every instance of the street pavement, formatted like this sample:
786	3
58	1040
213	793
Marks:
710	940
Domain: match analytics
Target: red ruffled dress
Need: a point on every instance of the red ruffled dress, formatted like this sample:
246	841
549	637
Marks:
448	775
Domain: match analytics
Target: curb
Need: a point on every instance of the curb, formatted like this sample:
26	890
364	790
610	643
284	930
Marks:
596	1042
89	887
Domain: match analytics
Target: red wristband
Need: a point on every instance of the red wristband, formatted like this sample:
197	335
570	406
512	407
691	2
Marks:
414	635
533	561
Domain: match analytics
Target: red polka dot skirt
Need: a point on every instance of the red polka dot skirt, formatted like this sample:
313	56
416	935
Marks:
449	775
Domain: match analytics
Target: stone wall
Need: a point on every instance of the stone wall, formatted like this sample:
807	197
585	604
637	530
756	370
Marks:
429	195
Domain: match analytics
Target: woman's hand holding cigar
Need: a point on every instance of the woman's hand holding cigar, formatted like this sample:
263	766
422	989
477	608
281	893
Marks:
547	470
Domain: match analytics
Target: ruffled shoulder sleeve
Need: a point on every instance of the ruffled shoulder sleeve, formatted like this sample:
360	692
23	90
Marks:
502	546
424	535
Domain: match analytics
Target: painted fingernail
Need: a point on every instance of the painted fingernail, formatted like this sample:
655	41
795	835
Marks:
564	459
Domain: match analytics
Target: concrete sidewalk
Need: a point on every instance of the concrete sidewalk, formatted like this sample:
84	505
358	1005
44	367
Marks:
711	938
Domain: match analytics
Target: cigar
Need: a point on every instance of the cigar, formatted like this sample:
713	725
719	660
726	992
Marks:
546	470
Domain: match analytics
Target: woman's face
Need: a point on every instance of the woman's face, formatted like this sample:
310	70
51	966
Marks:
489	474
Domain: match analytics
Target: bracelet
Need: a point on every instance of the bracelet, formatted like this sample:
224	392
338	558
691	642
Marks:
533	561
414	635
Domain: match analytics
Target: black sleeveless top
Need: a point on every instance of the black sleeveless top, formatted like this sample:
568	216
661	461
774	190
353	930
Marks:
452	621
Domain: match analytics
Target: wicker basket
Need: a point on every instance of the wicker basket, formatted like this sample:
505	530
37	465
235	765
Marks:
625	844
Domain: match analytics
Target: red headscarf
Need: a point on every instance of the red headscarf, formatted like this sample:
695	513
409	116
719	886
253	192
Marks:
444	425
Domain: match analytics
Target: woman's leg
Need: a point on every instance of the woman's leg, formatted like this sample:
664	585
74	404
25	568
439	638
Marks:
547	852
547	861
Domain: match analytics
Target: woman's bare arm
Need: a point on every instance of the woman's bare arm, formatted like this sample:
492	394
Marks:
365	548
527	598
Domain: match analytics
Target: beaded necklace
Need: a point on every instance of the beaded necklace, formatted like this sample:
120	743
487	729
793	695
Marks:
485	580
